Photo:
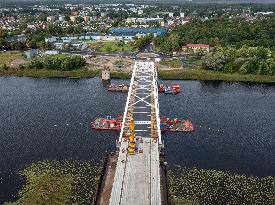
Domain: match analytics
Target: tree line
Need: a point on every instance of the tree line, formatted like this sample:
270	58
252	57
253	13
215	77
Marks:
244	60
221	32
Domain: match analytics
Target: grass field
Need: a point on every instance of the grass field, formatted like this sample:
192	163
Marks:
172	63
111	46
8	57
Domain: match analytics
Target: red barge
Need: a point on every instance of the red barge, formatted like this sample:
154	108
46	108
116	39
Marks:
108	123
166	124
171	89
118	88
175	125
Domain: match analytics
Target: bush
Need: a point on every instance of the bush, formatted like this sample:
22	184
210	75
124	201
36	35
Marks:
56	63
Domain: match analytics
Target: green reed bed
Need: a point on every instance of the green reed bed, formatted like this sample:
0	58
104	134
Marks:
200	74
80	73
210	187
59	182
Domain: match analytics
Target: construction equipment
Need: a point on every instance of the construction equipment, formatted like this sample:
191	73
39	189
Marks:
132	138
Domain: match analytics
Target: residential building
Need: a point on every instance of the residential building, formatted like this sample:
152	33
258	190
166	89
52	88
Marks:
196	47
51	52
61	18
51	40
140	12
31	53
51	18
182	15
59	45
80	45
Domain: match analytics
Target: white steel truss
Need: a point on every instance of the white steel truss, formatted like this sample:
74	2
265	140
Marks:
143	72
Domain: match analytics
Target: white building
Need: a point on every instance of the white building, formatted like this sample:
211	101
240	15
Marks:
32	27
103	14
51	40
59	46
170	22
61	18
51	52
106	75
140	12
196	47
184	22
80	45
50	18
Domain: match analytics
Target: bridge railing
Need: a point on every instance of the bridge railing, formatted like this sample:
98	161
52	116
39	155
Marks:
127	103
155	83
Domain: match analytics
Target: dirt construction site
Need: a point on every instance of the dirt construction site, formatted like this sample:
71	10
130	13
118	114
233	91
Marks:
110	62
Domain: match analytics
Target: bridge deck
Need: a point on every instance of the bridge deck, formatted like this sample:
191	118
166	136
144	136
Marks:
137	177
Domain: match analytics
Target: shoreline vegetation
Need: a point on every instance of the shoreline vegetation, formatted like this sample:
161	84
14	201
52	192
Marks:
207	75
75	182
238	69
175	74
59	182
194	186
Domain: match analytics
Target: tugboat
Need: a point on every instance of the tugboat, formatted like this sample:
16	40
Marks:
173	89
118	88
108	123
175	125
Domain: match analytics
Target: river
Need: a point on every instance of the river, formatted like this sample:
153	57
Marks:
43	118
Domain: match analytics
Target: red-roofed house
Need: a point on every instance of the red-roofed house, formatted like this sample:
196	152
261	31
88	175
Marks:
196	47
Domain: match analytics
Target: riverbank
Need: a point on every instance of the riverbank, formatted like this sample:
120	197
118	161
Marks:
81	73
199	74
176	74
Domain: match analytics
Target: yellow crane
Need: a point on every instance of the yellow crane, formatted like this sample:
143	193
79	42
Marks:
132	138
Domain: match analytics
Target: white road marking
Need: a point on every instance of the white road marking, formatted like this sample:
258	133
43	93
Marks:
142	122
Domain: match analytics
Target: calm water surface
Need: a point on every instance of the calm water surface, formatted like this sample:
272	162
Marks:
50	119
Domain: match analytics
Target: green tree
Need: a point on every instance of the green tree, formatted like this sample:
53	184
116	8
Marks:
67	18
214	61
79	19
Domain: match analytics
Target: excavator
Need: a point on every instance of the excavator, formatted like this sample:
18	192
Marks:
132	139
